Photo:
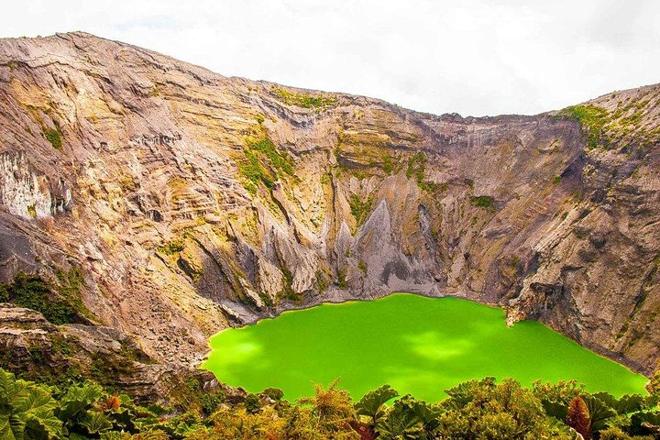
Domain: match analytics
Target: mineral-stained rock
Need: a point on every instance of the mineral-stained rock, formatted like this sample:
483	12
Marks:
193	201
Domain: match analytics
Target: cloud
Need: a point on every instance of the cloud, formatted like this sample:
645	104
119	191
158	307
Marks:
472	57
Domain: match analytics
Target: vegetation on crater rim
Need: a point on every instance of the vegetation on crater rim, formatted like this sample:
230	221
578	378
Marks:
605	129
592	118
305	100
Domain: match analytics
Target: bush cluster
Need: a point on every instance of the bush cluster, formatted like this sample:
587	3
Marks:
360	208
486	202
478	409
264	163
54	136
592	118
305	100
60	303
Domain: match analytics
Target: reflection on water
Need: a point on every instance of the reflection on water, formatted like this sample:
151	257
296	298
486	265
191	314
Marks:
416	344
431	345
244	349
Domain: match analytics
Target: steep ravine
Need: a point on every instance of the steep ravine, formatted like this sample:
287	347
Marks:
191	201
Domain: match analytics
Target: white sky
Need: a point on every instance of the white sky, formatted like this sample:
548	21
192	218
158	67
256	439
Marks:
472	57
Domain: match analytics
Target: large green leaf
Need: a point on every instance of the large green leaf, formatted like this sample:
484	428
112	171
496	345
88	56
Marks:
77	399
408	419
644	422
371	403
558	410
8	388
6	431
599	412
96	422
26	410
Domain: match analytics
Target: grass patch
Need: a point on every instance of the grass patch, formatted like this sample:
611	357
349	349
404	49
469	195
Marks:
486	202
60	304
597	121
619	128
322	283
416	169
264	163
360	208
592	118
253	173
173	247
287	291
388	164
278	160
305	100
54	136
341	279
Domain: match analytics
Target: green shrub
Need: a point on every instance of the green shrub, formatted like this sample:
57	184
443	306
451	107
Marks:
409	418
172	248
54	136
592	118
280	161
254	173
341	279
264	163
79	411
360	208
372	404
614	433
388	164
322	282
305	100
273	393
416	169
58	307
486	202
252	403
209	402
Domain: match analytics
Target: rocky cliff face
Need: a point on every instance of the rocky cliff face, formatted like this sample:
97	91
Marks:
191	201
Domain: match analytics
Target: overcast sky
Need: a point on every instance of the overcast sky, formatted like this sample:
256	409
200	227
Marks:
473	57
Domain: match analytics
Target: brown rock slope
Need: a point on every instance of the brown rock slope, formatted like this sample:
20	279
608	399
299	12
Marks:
191	201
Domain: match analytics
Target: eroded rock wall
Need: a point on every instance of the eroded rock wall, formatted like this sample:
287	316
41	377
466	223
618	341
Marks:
192	201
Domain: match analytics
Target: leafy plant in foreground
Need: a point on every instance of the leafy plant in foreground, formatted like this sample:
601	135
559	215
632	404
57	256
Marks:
26	410
474	410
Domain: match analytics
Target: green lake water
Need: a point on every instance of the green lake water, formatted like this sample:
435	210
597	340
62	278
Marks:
418	345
